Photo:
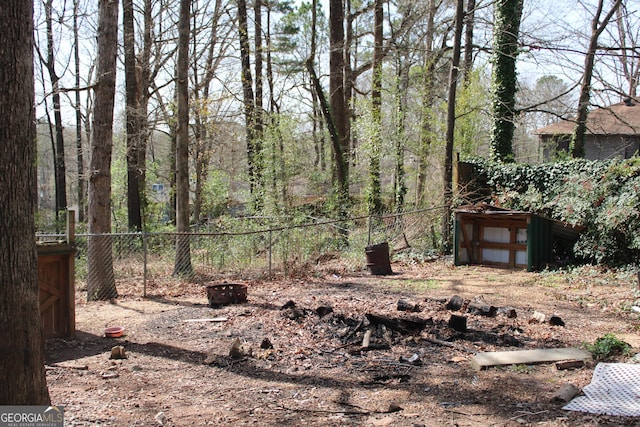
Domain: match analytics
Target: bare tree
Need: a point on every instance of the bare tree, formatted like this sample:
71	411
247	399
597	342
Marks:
337	97
469	22
629	62
100	278
432	56
209	24
134	208
598	25
21	339
82	182
451	122
59	157
254	147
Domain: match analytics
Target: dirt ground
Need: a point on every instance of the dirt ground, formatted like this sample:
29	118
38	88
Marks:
293	355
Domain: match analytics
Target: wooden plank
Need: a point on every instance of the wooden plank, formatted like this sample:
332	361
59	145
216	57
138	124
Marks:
209	319
497	358
466	241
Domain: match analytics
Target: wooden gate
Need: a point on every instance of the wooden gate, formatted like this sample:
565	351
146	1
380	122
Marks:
57	291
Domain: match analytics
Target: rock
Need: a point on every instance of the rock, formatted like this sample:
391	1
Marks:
323	310
239	350
555	320
565	393
537	317
455	303
394	408
414	359
404	305
161	419
266	344
118	352
288	304
211	357
109	375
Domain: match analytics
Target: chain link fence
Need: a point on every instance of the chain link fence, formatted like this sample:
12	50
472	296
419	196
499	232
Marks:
147	264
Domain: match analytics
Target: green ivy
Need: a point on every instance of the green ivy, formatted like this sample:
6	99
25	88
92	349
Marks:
602	197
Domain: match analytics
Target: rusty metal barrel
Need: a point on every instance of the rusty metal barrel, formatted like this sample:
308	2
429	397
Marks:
378	260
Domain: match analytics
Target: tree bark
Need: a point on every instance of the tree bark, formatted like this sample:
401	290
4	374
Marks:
134	206
469	19
59	157
21	339
82	182
428	97
254	149
182	266
337	97
100	278
451	123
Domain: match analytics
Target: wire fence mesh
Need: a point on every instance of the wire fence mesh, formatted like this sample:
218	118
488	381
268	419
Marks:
143	264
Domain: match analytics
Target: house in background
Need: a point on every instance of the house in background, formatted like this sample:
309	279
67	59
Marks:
612	132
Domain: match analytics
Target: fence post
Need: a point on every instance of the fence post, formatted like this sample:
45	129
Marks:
144	266
270	250
71	226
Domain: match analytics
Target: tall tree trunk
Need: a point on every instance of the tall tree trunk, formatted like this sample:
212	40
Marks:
279	163
182	266
598	25
82	182
504	79
629	63
451	123
59	157
253	147
374	197
339	110
318	137
400	185
21	340
144	77
469	19
134	208
100	278
428	97
259	108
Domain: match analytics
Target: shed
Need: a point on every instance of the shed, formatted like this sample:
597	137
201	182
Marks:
486	234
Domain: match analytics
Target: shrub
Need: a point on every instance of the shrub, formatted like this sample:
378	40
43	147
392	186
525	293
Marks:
608	346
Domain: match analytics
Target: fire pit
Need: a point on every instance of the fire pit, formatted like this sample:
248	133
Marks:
226	293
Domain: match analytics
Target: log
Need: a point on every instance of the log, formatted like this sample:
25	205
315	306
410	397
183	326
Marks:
458	323
482	309
404	305
402	325
209	319
569	364
366	340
